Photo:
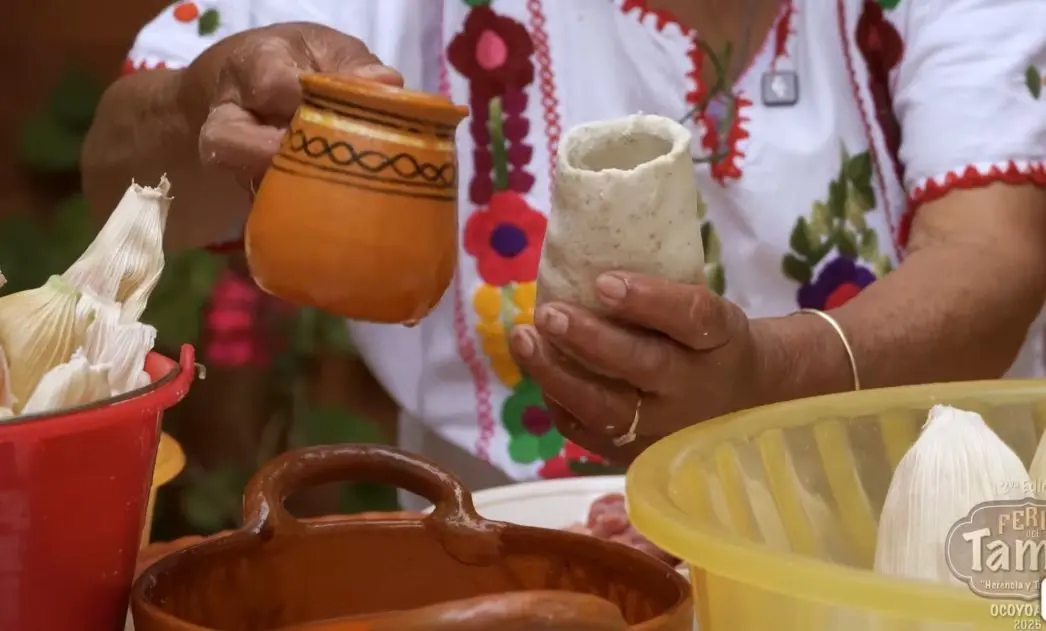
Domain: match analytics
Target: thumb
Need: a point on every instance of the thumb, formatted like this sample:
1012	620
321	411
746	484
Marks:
379	73
233	140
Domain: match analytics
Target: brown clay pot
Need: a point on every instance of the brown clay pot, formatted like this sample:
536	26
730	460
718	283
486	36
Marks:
449	570
358	213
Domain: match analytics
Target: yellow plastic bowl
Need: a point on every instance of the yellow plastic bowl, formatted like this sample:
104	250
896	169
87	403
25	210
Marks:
775	509
170	460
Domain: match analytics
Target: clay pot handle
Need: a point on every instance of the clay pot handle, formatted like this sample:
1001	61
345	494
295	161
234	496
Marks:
264	511
513	611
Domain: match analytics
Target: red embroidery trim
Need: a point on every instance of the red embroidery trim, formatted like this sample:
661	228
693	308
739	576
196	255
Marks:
466	346
882	48
547	86
729	167
663	18
130	66
872	151
971	177
783	33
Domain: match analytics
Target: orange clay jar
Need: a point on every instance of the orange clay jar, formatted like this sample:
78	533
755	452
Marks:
358	213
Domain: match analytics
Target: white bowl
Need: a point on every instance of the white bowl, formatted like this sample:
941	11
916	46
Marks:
546	503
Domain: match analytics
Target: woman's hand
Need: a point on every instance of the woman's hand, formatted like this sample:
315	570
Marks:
243	91
688	354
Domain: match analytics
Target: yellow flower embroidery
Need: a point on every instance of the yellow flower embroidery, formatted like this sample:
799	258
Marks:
523	299
487	303
494	341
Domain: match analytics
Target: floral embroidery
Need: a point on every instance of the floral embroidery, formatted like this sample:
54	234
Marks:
493	52
838	282
532	436
573	460
882	48
504	233
837	226
505	237
207	22
1034	80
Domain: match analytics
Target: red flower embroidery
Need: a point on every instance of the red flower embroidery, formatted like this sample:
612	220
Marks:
559	467
186	12
505	237
882	48
493	52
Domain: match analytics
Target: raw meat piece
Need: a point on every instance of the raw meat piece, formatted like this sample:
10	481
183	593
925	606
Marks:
608	520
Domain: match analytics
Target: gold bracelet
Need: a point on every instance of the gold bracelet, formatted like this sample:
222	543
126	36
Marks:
842	337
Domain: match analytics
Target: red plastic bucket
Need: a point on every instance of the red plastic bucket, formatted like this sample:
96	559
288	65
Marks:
73	495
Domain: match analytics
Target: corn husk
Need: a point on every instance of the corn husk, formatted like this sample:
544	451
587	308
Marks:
120	345
1037	470
75	382
957	463
39	329
124	262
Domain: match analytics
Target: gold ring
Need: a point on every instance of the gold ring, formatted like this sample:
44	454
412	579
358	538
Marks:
630	435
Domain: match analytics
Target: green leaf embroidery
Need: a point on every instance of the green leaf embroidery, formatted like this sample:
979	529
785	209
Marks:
869	248
820	221
859	168
715	276
710	243
1033	79
846	244
800	239
498	149
882	266
796	269
855	211
477	3
702	208
888	5
208	22
837	198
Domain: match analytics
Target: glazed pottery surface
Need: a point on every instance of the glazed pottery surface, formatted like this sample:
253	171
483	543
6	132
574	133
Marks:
451	569
358	213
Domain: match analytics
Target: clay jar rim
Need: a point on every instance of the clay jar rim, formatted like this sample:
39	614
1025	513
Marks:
428	108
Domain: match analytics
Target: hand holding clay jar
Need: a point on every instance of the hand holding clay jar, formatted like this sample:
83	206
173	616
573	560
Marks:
358	213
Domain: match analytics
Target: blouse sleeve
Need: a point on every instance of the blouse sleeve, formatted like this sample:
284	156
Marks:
184	30
968	94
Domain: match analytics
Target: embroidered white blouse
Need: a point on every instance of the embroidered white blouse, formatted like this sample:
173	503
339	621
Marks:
898	102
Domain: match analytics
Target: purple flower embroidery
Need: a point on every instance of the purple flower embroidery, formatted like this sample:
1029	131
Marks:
839	281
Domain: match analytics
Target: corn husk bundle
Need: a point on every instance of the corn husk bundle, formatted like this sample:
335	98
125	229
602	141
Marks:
956	463
77	339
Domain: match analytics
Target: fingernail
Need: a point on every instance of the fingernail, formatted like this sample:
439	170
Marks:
611	288
553	320
522	340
